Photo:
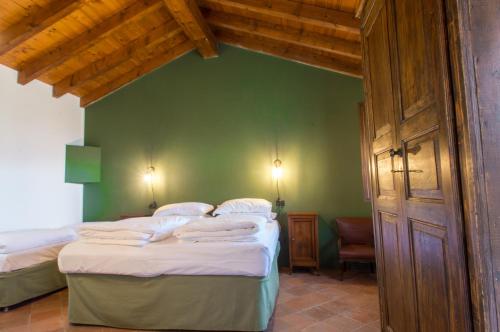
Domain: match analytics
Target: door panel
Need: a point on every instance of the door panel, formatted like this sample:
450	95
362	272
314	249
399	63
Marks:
423	166
415	30
380	71
302	239
385	178
391	264
431	275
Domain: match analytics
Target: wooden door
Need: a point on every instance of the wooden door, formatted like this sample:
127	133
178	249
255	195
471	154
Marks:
385	190
416	203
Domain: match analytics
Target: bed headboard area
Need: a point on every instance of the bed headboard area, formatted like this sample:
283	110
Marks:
211	128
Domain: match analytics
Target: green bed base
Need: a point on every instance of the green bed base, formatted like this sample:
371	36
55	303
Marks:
213	303
21	285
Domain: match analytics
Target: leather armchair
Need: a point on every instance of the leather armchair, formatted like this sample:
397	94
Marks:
355	241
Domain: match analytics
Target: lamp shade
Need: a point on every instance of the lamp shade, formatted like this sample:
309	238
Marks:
83	164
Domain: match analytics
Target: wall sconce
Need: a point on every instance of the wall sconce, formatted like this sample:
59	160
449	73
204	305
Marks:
149	178
277	174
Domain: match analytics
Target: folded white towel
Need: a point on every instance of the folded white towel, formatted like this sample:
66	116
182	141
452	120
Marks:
28	239
243	238
124	235
231	233
142	229
221	224
133	243
234	229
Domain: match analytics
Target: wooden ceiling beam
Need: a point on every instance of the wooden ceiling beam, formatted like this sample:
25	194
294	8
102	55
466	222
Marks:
57	56
291	10
336	46
289	52
359	9
33	24
101	66
189	17
157	58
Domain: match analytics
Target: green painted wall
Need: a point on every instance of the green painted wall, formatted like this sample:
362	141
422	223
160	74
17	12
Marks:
83	164
212	127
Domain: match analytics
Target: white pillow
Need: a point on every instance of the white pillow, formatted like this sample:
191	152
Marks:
183	209
244	205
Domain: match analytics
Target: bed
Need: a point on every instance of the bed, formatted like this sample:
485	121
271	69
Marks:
173	284
29	273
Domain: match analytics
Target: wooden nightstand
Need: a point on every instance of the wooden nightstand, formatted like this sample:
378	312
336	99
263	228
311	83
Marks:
303	240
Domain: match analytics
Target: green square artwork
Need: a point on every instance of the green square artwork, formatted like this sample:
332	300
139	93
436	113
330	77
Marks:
83	164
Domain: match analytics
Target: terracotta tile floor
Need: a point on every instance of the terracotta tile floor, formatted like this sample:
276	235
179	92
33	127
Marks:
306	303
309	303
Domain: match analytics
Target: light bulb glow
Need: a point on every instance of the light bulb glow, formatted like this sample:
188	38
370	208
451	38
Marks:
277	171
149	176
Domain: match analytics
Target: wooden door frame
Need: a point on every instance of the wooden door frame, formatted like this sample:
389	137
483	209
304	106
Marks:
477	222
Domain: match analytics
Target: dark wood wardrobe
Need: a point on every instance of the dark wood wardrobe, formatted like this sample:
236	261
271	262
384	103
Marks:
414	165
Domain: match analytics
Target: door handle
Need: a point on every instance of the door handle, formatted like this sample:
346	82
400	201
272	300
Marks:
397	152
409	171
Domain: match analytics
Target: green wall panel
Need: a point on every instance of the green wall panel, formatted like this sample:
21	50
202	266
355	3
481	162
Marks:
83	164
211	127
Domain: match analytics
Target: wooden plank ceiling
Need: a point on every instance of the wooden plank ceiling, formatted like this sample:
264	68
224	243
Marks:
90	48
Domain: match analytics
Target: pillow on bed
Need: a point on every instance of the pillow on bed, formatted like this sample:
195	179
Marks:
245	205
183	209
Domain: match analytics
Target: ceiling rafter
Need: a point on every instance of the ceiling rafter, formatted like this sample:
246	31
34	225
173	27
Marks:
359	9
139	58
99	67
105	57
189	17
57	56
287	51
156	59
31	25
336	46
291	10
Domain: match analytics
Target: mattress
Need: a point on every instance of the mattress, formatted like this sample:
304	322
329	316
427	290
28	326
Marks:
175	257
30	257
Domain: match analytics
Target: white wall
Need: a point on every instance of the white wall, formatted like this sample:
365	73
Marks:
34	129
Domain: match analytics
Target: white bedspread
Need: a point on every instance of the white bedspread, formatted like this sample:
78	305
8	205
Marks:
28	239
174	257
134	230
30	257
